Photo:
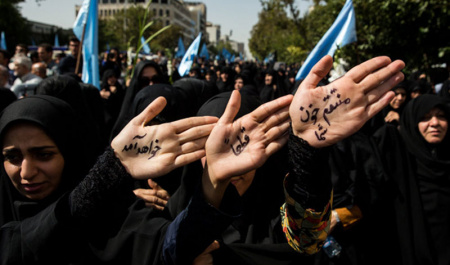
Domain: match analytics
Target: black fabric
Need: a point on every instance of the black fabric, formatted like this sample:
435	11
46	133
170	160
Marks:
136	84
419	174
58	120
68	89
6	97
256	236
112	104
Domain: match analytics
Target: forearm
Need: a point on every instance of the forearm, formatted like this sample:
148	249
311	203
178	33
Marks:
107	187
306	213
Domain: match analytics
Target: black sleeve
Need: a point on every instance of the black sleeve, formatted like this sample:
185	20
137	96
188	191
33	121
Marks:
309	180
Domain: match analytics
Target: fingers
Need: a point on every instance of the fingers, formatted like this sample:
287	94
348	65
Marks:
152	184
214	245
188	123
193	146
318	72
374	94
376	107
195	133
185	159
274	146
359	72
150	111
232	108
276	118
269	108
379	77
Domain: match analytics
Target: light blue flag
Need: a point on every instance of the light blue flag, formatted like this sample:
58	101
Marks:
232	59
204	52
181	50
3	42
226	54
341	33
188	58
56	41
88	17
145	46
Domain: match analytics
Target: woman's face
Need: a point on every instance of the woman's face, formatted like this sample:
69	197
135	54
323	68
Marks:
433	126
32	161
238	84
112	80
399	99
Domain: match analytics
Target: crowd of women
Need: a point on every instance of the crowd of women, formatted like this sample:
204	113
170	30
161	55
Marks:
235	163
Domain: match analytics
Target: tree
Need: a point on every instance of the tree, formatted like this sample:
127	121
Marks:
13	24
414	31
275	31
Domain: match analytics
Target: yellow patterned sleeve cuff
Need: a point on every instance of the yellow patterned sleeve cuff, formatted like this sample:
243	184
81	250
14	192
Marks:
305	229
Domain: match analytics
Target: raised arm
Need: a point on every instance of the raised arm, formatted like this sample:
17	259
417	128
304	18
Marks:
322	116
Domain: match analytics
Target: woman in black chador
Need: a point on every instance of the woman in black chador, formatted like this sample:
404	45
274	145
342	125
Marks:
418	161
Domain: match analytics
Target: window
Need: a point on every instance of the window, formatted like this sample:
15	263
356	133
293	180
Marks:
109	12
160	12
155	1
163	1
167	22
105	1
113	1
167	13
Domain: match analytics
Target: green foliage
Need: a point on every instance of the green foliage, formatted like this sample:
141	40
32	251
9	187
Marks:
275	31
416	31
13	24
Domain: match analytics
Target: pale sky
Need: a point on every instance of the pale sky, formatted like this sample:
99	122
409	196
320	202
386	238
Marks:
236	15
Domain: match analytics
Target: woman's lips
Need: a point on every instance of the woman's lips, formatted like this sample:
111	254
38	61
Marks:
33	188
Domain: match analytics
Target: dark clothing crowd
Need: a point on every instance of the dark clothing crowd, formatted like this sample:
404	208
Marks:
389	182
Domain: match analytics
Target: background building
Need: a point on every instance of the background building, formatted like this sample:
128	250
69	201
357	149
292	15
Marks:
190	16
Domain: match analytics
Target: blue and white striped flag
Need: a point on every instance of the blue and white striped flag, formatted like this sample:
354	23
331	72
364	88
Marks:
341	33
188	58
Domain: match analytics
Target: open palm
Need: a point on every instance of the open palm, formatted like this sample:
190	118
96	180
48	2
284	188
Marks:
152	151
325	115
237	147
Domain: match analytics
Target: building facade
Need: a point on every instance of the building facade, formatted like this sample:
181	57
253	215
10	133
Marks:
190	17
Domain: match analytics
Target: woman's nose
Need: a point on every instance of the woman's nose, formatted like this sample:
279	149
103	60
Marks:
28	169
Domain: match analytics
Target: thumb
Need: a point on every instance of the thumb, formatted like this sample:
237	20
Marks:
214	245
318	72
153	184
150	111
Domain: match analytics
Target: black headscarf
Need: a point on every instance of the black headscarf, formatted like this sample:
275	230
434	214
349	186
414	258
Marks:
58	120
137	84
71	91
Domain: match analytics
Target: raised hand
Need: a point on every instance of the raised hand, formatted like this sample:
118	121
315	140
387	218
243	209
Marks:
237	147
156	197
152	151
325	115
